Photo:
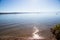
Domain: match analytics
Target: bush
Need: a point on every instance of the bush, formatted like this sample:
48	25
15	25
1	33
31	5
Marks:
56	31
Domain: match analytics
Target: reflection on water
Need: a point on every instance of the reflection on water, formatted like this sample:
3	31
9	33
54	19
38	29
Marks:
37	18
21	24
35	34
30	18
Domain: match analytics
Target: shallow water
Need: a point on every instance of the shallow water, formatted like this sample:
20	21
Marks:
22	24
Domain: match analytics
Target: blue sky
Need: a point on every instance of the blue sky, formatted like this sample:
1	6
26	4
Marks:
29	5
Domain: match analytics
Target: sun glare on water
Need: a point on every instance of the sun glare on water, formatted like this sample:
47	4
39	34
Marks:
35	34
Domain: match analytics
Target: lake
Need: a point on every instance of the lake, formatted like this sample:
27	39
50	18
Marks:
21	25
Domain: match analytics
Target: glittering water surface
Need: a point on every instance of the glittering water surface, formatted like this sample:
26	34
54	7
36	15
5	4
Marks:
35	34
20	25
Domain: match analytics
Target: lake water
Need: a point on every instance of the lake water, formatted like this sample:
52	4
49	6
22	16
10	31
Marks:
30	18
37	18
14	24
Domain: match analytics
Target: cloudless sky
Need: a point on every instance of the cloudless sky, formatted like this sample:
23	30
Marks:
29	5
